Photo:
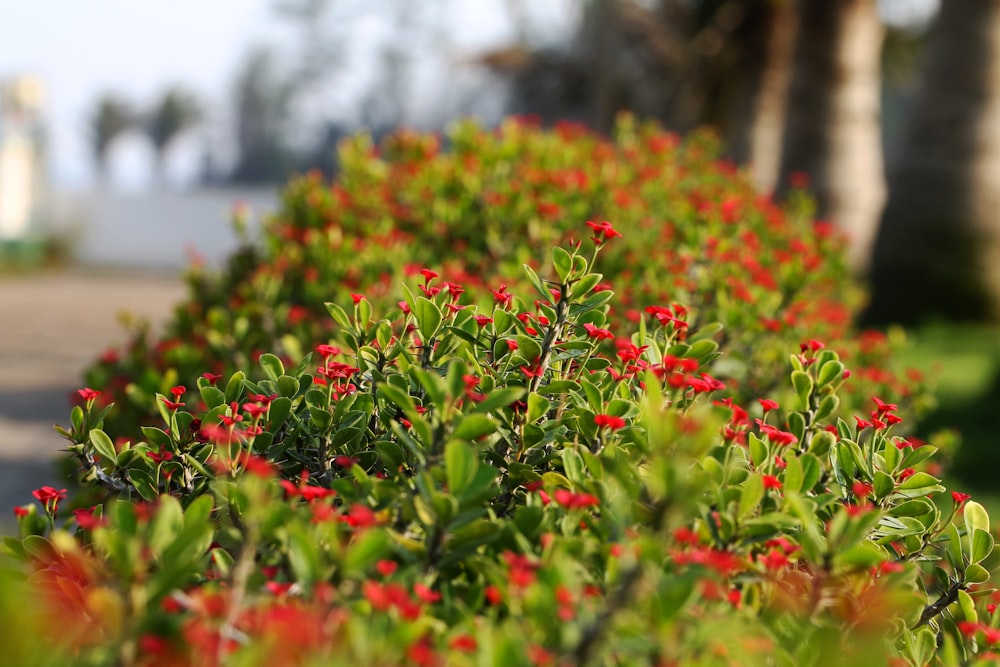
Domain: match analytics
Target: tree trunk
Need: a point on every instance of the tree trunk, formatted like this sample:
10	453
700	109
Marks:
763	74
938	247
834	130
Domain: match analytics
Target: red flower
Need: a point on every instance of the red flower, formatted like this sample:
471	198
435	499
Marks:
212	377
502	296
88	394
493	595
571	500
535	372
603	232
464	643
959	497
161	456
771	482
49	497
85	519
357	298
426	594
360	517
325	350
599	334
483	320
258	466
768	404
386	567
862	489
613	423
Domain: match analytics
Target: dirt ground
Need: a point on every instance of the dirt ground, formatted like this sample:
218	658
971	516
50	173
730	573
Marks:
52	324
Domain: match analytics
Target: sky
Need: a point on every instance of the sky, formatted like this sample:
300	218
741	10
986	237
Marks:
83	48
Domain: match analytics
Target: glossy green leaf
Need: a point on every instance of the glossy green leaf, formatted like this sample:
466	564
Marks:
102	444
460	465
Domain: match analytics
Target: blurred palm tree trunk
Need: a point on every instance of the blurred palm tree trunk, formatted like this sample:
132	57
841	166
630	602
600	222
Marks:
834	130
763	75
938	247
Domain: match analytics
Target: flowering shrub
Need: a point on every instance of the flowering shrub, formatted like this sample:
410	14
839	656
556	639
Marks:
452	484
694	233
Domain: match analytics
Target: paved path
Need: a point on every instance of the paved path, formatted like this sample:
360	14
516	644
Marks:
51	326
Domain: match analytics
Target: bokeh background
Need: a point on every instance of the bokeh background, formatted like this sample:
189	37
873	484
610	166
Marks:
129	132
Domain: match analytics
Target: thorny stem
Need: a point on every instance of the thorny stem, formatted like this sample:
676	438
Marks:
241	575
620	599
551	336
939	605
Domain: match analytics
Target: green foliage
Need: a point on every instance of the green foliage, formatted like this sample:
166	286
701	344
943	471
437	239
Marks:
432	489
695	233
506	461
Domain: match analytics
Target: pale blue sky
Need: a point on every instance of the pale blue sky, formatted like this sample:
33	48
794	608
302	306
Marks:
81	48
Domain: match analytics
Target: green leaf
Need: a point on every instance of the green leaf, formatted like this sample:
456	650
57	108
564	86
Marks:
103	445
303	556
862	555
583	286
827	407
830	371
559	387
920	480
821	443
499	398
812	470
278	412
751	494
433	384
968	606
428	318
915	507
954	546
364	313
562	262
473	426
883	485
272	366
536	282
388	392
982	545
573	466
390	453
758	450
794	474
288	386
528	348
166	524
234	388
339	316
212	396
803	384
143	483
673	595
460	465
365	550
976	574
702	349
976	517
76	417
538	407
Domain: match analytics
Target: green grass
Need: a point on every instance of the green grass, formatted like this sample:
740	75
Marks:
962	364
